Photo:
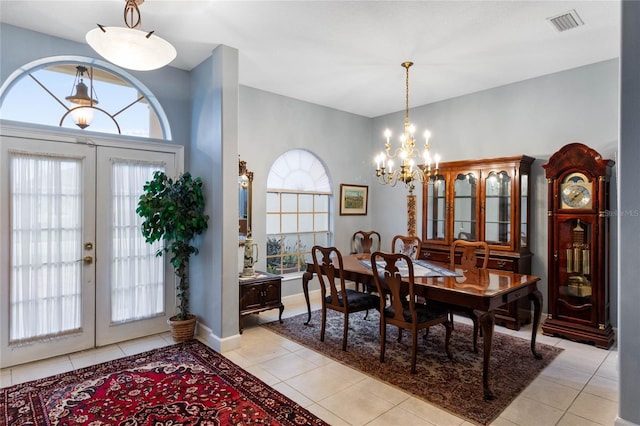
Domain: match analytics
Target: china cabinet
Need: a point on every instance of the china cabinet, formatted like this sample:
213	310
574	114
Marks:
578	278
482	200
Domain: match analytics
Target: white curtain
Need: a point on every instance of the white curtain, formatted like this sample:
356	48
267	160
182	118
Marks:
137	275
46	246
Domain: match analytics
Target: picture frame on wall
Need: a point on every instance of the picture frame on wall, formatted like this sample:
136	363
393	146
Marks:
353	199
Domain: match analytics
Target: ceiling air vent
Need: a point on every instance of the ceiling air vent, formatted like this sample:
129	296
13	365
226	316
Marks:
566	21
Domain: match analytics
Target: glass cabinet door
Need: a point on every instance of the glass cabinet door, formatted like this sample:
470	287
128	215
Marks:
464	205
574	269
524	210
436	208
497	225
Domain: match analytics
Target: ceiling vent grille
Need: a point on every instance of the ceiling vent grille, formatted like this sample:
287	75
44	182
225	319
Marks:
566	21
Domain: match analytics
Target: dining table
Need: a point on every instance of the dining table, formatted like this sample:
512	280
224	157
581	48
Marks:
481	290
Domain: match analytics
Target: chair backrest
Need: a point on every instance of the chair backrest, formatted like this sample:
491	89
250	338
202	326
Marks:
389	280
325	260
469	259
409	245
364	242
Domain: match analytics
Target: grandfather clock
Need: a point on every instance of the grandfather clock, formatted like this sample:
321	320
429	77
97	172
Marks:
578	278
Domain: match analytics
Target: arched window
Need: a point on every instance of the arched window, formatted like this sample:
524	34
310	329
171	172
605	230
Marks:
82	93
298	200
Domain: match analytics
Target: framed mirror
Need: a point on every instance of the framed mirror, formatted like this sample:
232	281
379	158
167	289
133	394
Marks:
245	181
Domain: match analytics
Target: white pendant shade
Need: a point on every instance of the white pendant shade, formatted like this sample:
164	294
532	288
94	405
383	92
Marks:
131	48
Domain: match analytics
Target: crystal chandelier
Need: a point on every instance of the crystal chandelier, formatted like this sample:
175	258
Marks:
414	166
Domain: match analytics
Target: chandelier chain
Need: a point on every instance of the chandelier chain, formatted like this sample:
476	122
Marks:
132	14
406	105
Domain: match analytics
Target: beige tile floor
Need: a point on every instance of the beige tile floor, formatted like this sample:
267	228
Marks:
580	387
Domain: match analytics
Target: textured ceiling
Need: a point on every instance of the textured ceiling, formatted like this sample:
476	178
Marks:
347	55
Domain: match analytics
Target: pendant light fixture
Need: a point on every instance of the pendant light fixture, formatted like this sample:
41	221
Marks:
129	47
84	101
82	113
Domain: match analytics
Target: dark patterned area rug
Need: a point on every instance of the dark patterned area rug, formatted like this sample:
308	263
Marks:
455	386
183	384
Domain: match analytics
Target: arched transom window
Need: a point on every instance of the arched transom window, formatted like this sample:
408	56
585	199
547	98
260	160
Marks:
75	94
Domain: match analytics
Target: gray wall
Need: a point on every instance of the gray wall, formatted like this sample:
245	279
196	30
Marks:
214	153
271	125
629	223
535	117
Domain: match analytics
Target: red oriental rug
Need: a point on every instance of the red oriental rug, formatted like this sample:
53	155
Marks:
184	384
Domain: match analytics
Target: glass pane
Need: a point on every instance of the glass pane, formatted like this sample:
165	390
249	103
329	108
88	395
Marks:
273	224
274	249
289	202
436	215
273	202
46	245
575	265
321	203
498	208
524	210
306	202
322	239
137	274
306	242
289	223
290	255
298	170
305	222
464	205
321	222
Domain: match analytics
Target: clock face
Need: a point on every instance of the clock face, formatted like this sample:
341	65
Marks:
576	192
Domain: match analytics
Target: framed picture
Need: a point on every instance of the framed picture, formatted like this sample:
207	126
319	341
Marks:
353	199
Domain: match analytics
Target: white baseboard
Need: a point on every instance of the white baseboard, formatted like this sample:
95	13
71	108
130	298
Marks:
622	422
206	336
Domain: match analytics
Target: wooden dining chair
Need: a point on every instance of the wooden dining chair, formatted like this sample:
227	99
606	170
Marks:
469	263
329	269
404	310
365	242
409	245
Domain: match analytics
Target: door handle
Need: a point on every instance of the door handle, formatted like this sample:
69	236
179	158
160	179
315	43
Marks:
88	260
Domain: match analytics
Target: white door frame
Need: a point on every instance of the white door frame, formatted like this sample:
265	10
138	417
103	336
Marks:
83	142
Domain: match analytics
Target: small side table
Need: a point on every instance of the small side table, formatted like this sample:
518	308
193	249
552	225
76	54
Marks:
260	293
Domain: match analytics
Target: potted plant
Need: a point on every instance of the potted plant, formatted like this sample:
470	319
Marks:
173	211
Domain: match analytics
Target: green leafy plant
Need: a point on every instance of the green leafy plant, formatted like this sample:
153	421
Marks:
173	211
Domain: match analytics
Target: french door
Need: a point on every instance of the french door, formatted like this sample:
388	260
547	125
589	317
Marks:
75	271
